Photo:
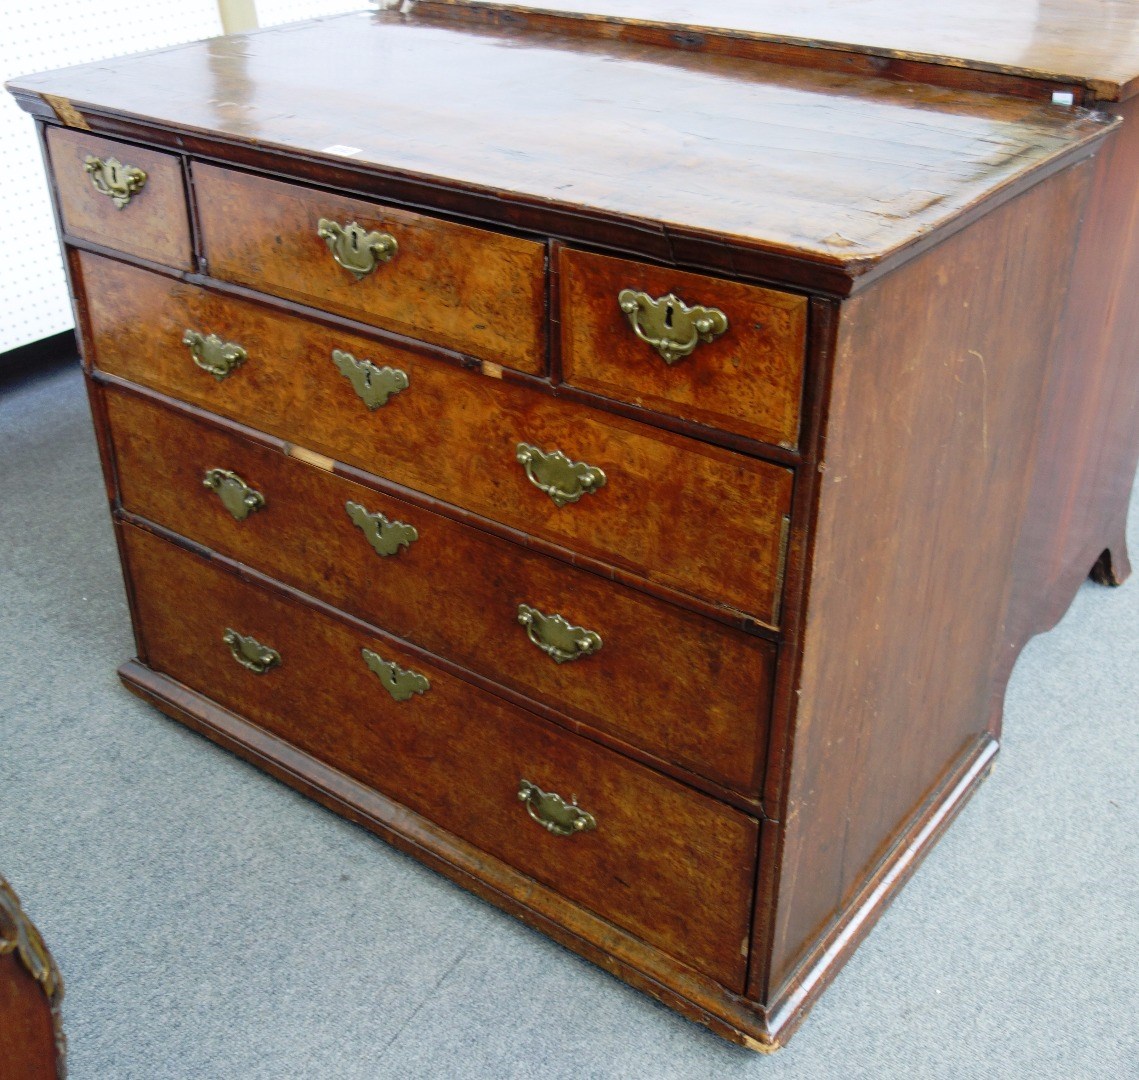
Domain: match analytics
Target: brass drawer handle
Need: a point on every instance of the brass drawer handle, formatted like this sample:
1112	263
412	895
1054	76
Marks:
114	179
374	385
399	682
236	495
553	813
210	353
563	480
356	249
250	653
385	536
559	640
669	325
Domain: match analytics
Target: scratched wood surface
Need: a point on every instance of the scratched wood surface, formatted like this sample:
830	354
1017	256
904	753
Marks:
477	291
455	591
685	514
1093	42
819	165
673	866
939	373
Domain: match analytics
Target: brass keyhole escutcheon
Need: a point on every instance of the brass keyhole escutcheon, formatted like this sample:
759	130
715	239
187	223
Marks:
375	386
401	683
387	537
669	325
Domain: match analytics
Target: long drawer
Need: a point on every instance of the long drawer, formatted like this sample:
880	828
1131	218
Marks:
477	291
690	516
680	686
664	862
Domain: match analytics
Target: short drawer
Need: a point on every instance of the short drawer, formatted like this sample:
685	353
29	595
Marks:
127	197
686	689
704	349
664	862
690	516
475	291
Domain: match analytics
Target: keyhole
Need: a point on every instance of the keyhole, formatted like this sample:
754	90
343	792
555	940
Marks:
114	174
355	242
668	316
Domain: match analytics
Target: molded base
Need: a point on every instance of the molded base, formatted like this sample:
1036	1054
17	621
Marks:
675	985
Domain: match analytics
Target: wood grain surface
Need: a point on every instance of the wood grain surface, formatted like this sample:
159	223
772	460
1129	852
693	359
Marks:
480	292
1076	515
939	373
672	866
701	519
748	380
155	223
684	688
1093	42
851	170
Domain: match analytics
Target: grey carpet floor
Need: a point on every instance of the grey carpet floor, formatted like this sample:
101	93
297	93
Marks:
211	923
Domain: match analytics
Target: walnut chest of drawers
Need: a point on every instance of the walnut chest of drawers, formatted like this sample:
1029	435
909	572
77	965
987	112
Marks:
598	469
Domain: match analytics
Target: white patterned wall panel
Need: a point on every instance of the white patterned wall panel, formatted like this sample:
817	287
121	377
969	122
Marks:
33	36
276	12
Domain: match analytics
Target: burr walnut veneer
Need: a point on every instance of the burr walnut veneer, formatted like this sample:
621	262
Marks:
616	463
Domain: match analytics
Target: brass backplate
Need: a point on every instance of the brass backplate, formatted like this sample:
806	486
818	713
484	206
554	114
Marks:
669	325
553	813
110	177
557	637
374	385
563	480
355	248
399	682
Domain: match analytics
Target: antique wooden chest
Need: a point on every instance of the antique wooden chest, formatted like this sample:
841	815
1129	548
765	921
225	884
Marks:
616	464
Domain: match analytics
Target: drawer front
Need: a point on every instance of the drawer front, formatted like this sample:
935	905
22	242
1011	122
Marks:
676	684
690	516
664	862
479	292
736	365
124	196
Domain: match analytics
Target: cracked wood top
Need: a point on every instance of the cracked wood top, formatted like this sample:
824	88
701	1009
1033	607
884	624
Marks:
820	166
1091	42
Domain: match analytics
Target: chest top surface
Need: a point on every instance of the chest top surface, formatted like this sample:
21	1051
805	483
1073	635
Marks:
1093	42
828	167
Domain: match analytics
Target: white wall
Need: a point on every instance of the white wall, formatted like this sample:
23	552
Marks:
36	36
